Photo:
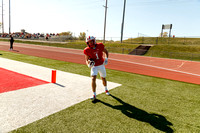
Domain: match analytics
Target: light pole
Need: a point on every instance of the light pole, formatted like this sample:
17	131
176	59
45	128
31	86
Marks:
105	22
122	29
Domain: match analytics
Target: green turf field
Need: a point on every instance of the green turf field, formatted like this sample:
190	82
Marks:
142	104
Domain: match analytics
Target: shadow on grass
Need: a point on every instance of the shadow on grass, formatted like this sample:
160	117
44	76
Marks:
157	121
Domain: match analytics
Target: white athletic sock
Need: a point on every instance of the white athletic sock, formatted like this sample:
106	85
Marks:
94	94
106	88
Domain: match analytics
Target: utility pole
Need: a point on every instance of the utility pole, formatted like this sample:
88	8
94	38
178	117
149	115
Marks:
9	19
2	19
122	29
105	22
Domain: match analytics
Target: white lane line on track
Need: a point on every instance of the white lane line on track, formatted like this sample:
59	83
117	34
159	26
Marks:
156	67
131	62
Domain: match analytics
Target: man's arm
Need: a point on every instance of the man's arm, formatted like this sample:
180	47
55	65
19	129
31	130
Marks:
90	63
86	60
105	52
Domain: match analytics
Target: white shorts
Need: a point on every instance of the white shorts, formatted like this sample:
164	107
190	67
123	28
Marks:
101	69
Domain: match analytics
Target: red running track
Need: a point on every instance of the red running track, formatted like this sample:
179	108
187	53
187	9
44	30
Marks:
180	70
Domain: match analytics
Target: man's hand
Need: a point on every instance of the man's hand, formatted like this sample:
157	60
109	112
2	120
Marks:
91	63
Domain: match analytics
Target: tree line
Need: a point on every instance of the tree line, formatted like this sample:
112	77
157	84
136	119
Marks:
82	35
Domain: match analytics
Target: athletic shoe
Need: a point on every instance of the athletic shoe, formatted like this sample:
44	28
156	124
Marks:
107	93
93	98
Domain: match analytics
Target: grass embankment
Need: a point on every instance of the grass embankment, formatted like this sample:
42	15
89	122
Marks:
141	104
177	48
185	52
163	40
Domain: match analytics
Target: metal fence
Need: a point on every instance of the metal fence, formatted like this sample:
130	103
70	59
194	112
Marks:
193	40
43	38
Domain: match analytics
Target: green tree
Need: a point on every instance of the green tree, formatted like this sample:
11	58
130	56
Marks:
165	34
69	33
82	36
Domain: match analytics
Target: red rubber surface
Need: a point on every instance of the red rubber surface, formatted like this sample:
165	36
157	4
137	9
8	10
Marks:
10	81
180	70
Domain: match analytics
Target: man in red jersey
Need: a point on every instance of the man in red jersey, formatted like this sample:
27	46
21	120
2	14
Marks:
96	56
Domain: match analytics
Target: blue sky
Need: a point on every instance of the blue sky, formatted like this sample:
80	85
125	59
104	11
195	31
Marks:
143	17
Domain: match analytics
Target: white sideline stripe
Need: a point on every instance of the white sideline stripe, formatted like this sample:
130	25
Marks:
157	67
21	107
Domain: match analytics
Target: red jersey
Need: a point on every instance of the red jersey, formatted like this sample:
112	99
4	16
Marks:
95	54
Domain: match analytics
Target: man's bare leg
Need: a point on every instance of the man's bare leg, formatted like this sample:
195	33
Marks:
105	85
94	86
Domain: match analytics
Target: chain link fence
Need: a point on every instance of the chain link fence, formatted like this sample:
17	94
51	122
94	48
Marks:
193	40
